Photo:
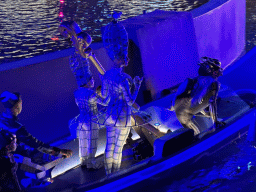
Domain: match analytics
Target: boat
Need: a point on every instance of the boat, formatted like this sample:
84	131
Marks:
174	153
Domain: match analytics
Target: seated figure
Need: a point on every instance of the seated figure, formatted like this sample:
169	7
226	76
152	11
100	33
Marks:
195	95
8	178
9	121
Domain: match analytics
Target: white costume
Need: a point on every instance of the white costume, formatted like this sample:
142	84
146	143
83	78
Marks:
118	114
88	131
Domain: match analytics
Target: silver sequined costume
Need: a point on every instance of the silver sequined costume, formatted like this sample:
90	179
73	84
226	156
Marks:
202	93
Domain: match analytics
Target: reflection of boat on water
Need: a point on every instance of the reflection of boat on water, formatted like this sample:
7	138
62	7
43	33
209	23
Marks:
174	152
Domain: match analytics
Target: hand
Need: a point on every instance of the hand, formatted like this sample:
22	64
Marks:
88	52
66	153
137	81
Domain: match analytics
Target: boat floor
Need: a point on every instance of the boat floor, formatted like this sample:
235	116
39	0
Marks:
229	106
78	175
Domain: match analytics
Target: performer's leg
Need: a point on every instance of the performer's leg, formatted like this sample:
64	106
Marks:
82	134
108	156
191	125
182	107
121	135
92	139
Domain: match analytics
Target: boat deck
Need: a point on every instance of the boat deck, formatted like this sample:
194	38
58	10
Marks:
230	108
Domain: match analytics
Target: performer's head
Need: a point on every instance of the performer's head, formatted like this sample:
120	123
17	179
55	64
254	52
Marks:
84	39
115	40
70	30
12	102
8	140
210	67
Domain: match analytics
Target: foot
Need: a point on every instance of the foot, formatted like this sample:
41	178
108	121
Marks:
105	178
206	132
94	165
83	161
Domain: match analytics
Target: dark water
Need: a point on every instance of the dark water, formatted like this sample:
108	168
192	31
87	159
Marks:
234	171
26	29
27	26
250	24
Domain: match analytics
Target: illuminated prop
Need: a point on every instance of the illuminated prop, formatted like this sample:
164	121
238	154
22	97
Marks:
195	95
85	40
71	30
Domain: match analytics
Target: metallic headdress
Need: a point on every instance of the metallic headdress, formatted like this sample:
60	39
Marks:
115	39
209	64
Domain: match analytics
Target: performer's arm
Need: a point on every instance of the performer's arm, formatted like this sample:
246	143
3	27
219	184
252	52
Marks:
25	137
131	97
215	87
104	89
101	100
198	99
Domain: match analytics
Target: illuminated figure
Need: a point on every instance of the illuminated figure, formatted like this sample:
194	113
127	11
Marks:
195	95
87	100
88	131
8	179
117	84
9	121
118	123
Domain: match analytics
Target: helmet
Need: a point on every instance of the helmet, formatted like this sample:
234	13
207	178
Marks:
85	39
69	28
209	65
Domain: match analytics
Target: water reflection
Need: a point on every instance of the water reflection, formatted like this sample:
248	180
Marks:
250	24
28	26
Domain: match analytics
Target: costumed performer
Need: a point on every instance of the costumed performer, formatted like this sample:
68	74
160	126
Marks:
195	95
117	84
88	131
8	178
12	103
